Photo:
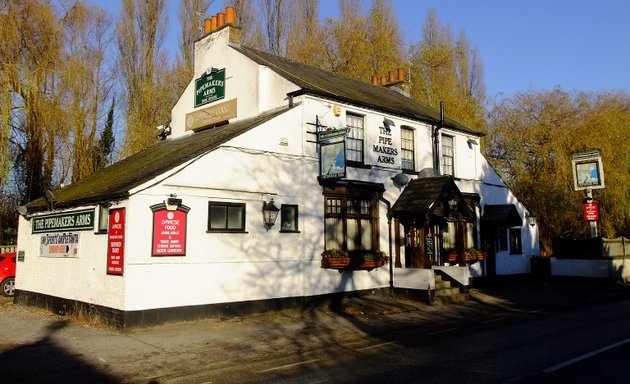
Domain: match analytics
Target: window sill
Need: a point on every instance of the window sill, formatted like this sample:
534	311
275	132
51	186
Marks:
224	231
357	165
287	231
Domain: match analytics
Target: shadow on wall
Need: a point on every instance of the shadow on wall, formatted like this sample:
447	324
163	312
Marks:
45	362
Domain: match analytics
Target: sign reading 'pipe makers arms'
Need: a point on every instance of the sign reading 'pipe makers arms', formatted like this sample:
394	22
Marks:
211	115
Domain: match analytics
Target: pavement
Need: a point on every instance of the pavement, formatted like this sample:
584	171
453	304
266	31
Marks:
37	346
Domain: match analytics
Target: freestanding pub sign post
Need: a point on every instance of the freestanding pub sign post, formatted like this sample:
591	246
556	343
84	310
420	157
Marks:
588	174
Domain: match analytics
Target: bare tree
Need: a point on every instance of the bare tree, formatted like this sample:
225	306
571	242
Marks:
277	15
85	82
448	70
385	42
247	18
306	44
191	14
140	35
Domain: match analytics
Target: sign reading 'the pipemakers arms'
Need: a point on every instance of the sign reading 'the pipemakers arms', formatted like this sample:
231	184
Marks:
77	221
210	87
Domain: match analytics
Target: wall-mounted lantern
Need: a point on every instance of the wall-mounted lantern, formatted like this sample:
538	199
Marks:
531	219
172	203
270	214
452	203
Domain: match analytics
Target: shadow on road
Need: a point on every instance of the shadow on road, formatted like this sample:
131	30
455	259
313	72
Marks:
44	361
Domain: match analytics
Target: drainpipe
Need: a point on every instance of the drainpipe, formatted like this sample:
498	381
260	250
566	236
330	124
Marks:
391	260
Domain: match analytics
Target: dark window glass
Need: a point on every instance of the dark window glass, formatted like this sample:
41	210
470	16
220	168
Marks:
515	241
349	223
226	217
288	218
407	149
354	138
448	155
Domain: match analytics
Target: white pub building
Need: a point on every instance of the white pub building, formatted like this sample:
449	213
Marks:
275	183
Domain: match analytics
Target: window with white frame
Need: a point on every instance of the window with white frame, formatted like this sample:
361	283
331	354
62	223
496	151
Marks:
354	139
448	155
407	146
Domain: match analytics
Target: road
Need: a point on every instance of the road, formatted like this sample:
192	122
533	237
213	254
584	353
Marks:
584	344
517	333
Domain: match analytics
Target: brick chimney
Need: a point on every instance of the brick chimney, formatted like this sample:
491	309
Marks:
394	80
221	21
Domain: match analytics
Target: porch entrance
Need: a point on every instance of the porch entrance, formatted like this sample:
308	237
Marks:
420	247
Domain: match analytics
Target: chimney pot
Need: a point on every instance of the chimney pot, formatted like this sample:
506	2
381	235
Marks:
383	80
230	16
207	26
374	79
213	23
220	19
391	76
401	74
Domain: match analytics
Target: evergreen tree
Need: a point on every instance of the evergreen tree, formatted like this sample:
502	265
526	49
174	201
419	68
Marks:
105	146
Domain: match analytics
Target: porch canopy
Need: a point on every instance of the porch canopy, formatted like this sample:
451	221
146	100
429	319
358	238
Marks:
501	215
431	197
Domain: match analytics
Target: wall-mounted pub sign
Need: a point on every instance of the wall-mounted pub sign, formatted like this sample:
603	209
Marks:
169	230
116	241
75	221
210	87
332	160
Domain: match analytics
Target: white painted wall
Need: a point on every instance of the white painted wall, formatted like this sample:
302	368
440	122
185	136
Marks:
582	268
83	278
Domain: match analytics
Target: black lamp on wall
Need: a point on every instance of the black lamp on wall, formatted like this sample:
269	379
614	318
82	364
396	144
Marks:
270	213
531	219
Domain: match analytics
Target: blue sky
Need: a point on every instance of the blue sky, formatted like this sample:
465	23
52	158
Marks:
577	45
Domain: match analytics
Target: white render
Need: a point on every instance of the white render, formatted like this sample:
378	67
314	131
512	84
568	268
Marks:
277	159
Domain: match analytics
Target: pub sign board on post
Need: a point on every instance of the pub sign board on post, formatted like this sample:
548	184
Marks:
169	231
591	211
116	242
588	172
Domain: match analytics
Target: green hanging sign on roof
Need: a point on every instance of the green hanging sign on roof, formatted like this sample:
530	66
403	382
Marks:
210	87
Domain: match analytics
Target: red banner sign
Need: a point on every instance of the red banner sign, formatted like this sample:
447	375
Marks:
116	241
591	211
169	232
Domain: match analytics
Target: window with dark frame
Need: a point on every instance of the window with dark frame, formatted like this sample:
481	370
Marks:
516	246
289	218
448	155
502	244
350	222
226	217
407	146
354	139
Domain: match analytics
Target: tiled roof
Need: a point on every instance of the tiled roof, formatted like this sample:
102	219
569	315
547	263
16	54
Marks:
114	182
502	214
324	83
429	196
